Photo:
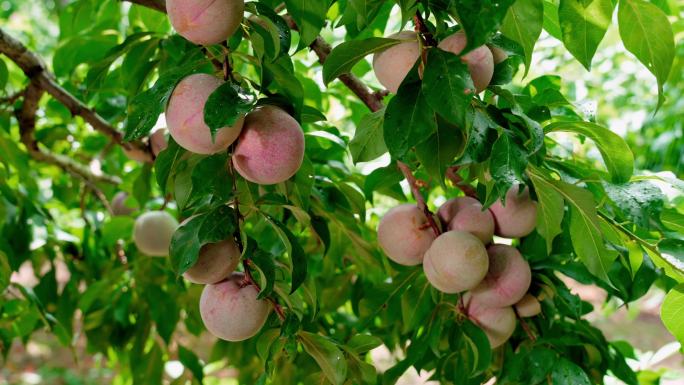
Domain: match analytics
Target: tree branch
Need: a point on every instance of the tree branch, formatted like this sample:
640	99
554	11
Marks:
35	69
452	175
26	116
418	196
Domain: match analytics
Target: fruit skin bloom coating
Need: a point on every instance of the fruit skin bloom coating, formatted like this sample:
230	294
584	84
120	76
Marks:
518	218
457	261
215	262
405	235
393	64
480	60
507	281
270	149
185	116
467	214
231	311
205	22
153	232
497	323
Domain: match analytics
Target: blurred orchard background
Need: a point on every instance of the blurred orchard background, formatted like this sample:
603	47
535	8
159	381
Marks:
618	92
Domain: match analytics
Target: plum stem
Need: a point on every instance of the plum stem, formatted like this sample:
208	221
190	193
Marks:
418	196
525	326
452	174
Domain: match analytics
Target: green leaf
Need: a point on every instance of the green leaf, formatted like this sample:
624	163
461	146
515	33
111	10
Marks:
226	105
447	85
5	271
145	108
550	211
672	251
508	162
409	120
191	362
211	226
440	149
672	312
4	75
616	153
673	220
210	177
362	343
551	23
584	26
343	57
328	356
523	24
646	32
309	16
585	230
166	163
481	19
299	262
565	372
265	263
368	143
639	201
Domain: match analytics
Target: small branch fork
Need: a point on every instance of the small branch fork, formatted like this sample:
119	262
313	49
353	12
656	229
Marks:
452	175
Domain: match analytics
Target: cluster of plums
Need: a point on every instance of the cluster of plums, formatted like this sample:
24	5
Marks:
270	142
229	306
393	64
492	277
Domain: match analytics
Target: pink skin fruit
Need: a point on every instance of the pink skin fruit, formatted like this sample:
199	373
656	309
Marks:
497	323
231	311
405	235
457	261
185	116
467	214
480	61
518	218
507	281
392	65
216	261
270	149
205	22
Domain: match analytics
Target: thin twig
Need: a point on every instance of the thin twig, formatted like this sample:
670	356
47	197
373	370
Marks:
418	196
452	175
525	326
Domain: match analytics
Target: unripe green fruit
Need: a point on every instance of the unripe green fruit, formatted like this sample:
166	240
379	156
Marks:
497	323
230	309
153	231
507	280
118	204
158	142
457	261
518	218
216	261
185	116
480	60
404	234
467	214
393	64
528	306
271	147
205	22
